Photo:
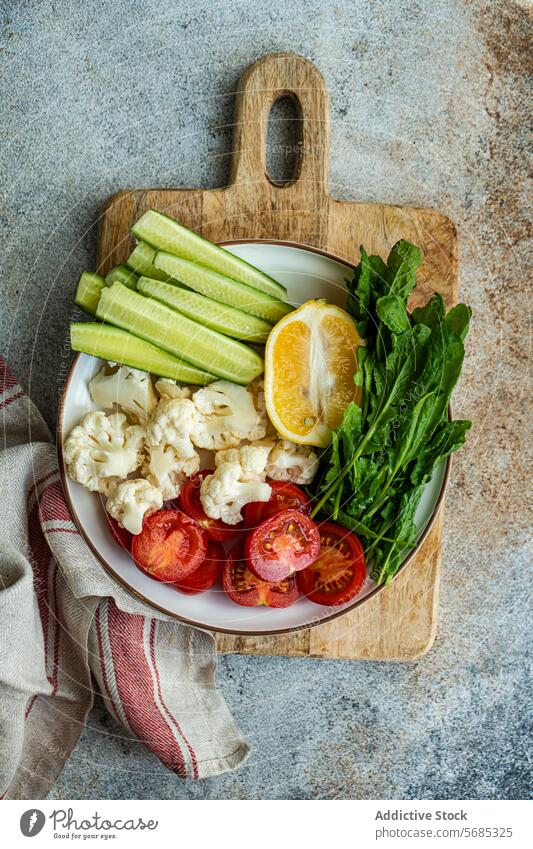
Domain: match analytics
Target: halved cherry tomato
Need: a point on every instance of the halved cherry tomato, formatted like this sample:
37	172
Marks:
244	588
207	573
339	572
190	503
119	534
170	547
283	544
284	496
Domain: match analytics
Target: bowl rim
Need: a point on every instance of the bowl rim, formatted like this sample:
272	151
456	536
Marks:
172	614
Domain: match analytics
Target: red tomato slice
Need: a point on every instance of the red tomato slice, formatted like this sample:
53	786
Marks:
339	572
170	547
190	503
244	588
120	535
283	544
207	573
284	496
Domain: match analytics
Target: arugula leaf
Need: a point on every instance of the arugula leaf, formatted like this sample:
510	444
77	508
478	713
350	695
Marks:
329	468
365	374
369	277
406	447
447	438
363	530
403	364
392	312
359	376
442	370
458	320
386	565
366	479
404	261
432	314
334	460
384	452
350	429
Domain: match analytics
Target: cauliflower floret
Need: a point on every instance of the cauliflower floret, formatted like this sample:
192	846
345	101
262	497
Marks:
173	422
253	459
167	471
130	388
102	450
291	462
131	501
170	389
224	493
227	416
172	457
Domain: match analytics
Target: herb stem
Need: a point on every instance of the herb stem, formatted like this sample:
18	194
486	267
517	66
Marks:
331	489
337	483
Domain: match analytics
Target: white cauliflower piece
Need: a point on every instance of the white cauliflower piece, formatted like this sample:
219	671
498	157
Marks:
227	416
170	389
291	462
130	388
224	493
167	471
173	422
253	459
131	501
172	456
103	450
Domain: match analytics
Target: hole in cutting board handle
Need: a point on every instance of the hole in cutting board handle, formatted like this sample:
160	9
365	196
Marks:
283	152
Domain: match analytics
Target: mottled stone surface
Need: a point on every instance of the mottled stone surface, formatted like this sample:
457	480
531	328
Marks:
428	104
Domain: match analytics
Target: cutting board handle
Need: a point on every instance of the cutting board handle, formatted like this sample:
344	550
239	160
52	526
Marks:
265	81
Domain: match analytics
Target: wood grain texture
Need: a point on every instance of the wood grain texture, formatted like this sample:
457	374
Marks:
400	622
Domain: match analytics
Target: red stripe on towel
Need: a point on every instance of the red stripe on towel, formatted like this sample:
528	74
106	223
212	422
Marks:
53	504
7	378
42	561
136	688
10	400
170	715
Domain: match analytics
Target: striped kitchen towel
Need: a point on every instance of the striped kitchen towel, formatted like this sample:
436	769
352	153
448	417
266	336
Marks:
64	624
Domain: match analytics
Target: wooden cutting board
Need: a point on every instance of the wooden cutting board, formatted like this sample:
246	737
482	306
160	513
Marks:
400	622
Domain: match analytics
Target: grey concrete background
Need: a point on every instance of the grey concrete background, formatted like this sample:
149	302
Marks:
428	105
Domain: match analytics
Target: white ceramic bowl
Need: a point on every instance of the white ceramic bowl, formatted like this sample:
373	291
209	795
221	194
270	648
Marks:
307	273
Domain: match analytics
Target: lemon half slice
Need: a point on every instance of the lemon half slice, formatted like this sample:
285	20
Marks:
310	362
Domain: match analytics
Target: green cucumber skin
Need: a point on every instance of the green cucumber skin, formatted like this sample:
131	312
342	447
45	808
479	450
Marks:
166	234
220	288
141	261
122	274
164	327
118	346
224	319
88	291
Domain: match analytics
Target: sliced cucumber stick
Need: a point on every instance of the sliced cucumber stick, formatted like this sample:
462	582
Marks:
227	320
220	288
179	335
122	274
88	291
167	235
141	260
119	346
